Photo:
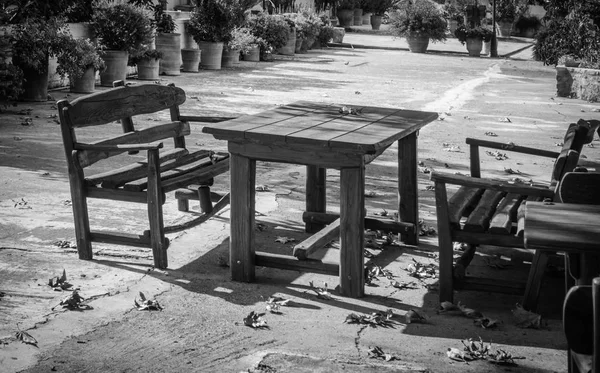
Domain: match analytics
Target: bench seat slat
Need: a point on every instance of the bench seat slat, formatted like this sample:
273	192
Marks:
462	203
148	135
506	214
479	219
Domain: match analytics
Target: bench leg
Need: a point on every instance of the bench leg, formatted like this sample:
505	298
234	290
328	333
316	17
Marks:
534	280
80	215
316	201
155	213
241	246
446	280
408	199
183	204
352	232
204	197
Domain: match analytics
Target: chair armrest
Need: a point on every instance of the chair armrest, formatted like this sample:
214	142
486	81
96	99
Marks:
118	147
512	147
580	187
504	186
194	118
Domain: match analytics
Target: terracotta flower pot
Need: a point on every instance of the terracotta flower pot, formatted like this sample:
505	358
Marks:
85	83
116	67
345	17
376	22
148	69
212	54
474	46
170	46
191	60
418	43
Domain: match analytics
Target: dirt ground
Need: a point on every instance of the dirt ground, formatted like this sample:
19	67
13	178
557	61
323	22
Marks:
200	328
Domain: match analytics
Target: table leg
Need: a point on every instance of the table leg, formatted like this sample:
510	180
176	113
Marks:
408	199
241	245
352	230
316	178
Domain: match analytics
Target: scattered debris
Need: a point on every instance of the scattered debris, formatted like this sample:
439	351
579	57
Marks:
147	304
492	134
26	338
420	270
459	309
404	285
457	355
377	353
505	120
372	272
450	148
73	301
261	227
382	213
65	244
413	316
425	230
22	204
284	240
486	323
430	187
478	350
425	170
273	304
460	246
502	357
262	188
374	319
27	121
497	155
350	110
509	146
372	194
255	320
322	293
59	282
357	92
526	319
511	171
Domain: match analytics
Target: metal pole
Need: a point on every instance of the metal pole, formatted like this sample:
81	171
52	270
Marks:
494	46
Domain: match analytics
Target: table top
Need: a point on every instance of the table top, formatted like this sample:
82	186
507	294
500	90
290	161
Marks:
363	129
562	226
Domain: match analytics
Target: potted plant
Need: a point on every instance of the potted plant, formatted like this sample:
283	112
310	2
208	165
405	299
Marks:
344	10
79	17
454	15
308	26
168	42
208	26
290	46
11	81
507	11
35	40
122	29
378	8
528	25
325	33
419	21
80	61
473	37
271	31
148	64
241	40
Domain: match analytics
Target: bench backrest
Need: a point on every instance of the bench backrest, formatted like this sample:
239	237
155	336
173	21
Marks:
578	134
120	104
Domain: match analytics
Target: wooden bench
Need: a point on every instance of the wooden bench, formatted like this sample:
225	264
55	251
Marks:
147	181
486	212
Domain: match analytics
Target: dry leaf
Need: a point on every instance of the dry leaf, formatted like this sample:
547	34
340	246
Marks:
377	353
497	155
322	293
492	134
502	357
526	319
59	282
425	230
486	323
284	240
420	270
456	354
404	285
26	338
511	171
255	320
273	304
72	301
412	316
262	188
469	312
506	120
476	350
147	304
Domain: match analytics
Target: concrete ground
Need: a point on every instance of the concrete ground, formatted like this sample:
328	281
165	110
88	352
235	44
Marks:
200	328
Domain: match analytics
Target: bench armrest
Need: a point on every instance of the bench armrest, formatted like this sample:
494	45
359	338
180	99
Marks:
195	118
476	182
511	147
119	147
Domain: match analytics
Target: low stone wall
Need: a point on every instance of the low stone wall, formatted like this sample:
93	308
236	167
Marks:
578	83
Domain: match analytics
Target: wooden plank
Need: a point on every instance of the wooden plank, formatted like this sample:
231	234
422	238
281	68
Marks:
493	285
475	163
120	238
80	210
119	195
462	203
278	131
297	154
148	135
243	180
408	198
155	213
220	205
185	175
352	229
201	119
122	102
290	263
578	319
506	214
534	280
521	214
479	219
318	240
326	131
381	133
512	147
316	194
371	222
487	239
139	169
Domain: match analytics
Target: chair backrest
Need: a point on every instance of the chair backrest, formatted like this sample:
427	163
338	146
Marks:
120	103
578	134
580	187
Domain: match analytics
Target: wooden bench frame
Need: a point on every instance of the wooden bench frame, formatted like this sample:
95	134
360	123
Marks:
141	182
480	199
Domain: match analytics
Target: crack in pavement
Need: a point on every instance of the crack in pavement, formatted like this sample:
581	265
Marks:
357	339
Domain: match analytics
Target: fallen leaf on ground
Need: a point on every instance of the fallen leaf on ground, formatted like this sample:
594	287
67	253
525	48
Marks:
511	171
454	149
72	301
374	319
262	188
404	285
508	146
26	338
424	170
497	155
506	120
486	323
502	357
382	213
273	304
377	353
284	240
425	230
65	244
59	282
255	320
491	134
413	316
457	355
461	246
322	293
476	349
420	270
526	319
147	304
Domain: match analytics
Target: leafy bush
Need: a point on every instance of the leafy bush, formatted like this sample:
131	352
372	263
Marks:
35	39
77	56
242	39
418	17
308	24
463	33
453	12
122	27
163	21
271	29
11	81
213	20
147	54
325	35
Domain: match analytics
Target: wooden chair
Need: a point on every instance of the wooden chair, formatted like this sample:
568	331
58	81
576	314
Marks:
581	324
139	182
485	212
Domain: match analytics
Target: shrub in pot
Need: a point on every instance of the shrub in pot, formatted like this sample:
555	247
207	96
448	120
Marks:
308	26
325	32
241	40
11	84
378	9
419	21
168	42
473	37
271	30
121	29
345	12
507	11
80	61
148	63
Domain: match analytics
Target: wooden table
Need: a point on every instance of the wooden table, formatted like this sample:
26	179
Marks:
571	228
320	136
